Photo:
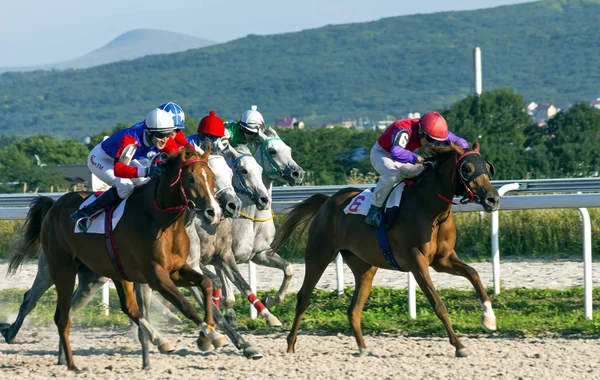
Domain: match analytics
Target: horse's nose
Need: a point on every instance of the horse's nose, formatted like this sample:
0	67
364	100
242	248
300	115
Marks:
231	207
493	201
264	200
298	175
209	213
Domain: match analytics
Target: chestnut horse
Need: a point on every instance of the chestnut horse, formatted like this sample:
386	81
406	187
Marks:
422	234
150	241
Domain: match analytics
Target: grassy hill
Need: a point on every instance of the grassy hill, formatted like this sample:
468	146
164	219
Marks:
547	50
130	45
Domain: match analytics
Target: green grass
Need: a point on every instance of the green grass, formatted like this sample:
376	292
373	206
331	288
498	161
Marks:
519	312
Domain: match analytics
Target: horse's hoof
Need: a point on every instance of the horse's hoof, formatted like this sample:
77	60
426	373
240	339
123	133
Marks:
5	331
204	344
489	322
272	320
75	369
165	348
269	301
462	353
220	341
251	353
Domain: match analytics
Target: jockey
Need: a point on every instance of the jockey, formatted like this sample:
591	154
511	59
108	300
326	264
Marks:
246	130
210	127
178	140
118	161
393	154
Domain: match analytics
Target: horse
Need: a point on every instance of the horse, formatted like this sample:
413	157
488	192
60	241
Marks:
254	230
150	239
422	234
90	282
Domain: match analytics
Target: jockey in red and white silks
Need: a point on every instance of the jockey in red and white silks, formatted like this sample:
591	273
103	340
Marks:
394	157
122	160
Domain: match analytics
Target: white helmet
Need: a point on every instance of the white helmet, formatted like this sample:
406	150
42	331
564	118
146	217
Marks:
159	121
252	120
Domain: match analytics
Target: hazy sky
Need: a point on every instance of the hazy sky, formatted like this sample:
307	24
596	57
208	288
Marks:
42	31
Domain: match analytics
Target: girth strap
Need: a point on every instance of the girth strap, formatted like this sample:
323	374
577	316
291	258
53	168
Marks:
110	242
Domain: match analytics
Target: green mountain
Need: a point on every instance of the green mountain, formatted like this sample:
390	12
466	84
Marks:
127	46
547	51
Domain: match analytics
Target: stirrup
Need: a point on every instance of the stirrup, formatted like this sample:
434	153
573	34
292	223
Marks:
374	219
83	224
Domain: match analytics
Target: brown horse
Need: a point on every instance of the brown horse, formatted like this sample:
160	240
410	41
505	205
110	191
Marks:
150	240
422	234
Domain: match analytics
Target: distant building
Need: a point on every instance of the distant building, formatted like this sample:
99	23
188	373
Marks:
383	124
285	122
530	107
595	103
299	125
411	115
544	112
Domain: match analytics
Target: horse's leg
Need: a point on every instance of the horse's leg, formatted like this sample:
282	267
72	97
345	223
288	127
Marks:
164	311
363	278
63	271
88	285
143	295
421	273
450	263
247	349
273	260
228	297
233	273
129	306
317	256
41	284
163	282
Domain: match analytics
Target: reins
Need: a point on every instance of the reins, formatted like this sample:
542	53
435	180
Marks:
258	220
186	200
272	174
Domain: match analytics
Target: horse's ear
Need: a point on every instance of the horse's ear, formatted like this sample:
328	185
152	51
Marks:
476	145
206	153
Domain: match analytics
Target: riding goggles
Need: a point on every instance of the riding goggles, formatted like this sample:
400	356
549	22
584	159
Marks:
160	135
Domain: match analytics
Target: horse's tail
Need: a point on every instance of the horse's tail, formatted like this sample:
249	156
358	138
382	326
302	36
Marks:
29	243
302	213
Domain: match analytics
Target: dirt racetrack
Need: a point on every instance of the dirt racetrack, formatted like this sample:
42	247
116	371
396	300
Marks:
106	354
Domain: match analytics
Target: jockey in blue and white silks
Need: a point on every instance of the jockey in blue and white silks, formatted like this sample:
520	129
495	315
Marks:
121	161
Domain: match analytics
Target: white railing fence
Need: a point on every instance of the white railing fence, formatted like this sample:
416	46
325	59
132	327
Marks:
14	207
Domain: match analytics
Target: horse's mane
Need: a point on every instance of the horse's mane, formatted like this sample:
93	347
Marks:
243	149
177	159
442	152
270	132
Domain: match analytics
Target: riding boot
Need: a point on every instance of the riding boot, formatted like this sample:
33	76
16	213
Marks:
82	216
374	216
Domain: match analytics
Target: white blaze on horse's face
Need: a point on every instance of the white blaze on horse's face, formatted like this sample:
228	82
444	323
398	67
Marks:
212	213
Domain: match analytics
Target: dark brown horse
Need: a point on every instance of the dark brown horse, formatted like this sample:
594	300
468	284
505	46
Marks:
422	234
150	239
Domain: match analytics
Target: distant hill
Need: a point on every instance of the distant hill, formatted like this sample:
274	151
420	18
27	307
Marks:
547	51
130	45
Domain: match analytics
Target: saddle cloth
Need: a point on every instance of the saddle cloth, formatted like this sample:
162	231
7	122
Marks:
361	203
97	221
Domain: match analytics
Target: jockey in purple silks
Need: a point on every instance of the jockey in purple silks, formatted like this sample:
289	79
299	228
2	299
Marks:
393	154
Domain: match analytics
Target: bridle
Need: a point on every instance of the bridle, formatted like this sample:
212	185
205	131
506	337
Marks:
273	172
480	169
187	203
243	188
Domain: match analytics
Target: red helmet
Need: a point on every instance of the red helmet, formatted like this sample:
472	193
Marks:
435	126
212	125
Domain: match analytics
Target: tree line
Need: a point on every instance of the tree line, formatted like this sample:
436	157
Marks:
568	146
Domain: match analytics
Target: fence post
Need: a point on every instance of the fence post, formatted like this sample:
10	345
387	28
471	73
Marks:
412	296
587	262
494	226
105	301
339	270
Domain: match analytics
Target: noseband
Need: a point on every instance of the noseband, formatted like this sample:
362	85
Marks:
187	202
244	190
274	170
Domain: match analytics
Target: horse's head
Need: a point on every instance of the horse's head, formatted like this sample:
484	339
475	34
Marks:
276	158
470	174
225	193
190	182
247	176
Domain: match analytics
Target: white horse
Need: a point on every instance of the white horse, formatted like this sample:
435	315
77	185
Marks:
254	231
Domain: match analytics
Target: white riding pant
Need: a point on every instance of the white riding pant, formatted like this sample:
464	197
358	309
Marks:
390	171
103	166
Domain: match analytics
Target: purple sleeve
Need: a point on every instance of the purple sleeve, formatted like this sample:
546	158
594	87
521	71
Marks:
458	140
402	155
